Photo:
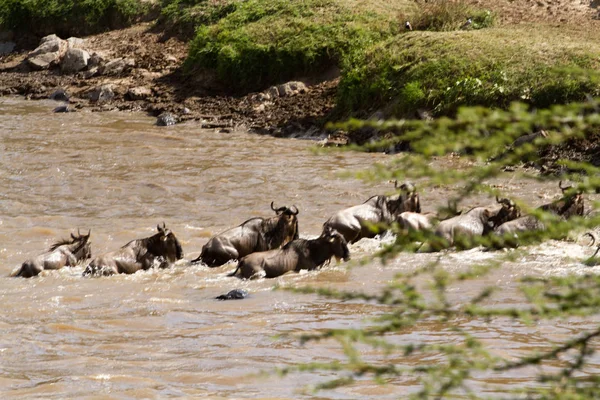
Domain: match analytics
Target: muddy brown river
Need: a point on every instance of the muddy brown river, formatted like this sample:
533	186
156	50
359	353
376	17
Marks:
160	333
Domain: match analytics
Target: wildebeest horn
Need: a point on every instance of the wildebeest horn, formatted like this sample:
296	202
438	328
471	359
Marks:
591	235
277	210
563	188
294	212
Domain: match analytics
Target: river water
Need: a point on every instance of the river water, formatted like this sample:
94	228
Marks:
159	334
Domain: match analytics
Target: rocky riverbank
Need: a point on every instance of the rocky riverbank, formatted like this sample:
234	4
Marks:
138	69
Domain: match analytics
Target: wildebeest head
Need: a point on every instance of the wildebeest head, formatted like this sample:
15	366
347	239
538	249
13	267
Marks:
289	222
80	246
407	200
337	244
507	212
165	244
570	204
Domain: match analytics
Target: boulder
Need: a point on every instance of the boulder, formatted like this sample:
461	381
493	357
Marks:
96	59
48	53
117	66
166	119
74	61
75	43
102	94
286	89
138	93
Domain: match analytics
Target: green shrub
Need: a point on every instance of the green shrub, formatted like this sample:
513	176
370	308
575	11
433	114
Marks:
183	17
264	42
69	17
447	15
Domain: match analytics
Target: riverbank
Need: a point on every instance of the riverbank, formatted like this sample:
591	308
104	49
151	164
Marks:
354	59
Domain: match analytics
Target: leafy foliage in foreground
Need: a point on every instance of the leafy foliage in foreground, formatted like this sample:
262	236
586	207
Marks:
424	296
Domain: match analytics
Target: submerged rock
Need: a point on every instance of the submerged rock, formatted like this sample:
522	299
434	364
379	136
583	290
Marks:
235	294
166	119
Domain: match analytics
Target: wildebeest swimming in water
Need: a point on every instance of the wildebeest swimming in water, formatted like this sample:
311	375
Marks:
363	220
64	253
297	255
139	254
256	234
571	204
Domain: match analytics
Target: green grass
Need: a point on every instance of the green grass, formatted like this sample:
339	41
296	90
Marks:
264	42
69	17
182	17
441	71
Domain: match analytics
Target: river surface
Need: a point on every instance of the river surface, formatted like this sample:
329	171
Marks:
160	333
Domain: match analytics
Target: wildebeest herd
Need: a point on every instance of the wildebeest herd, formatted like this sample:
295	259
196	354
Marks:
270	247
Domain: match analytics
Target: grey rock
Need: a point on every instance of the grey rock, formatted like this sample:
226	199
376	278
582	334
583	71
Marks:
297	87
49	52
96	59
285	90
273	92
235	294
43	61
74	61
138	93
117	66
166	119
102	94
62	109
75	43
59	95
49	38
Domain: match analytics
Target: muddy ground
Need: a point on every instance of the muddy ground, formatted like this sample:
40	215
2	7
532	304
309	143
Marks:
158	66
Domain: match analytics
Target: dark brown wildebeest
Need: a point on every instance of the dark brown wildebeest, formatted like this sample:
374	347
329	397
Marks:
478	221
365	220
64	253
139	254
569	205
256	234
297	255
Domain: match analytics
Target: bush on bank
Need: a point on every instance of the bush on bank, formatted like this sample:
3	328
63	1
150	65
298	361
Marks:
69	17
265	42
181	17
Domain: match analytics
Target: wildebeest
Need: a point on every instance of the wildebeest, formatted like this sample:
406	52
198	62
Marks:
256	234
363	220
478	221
413	221
139	254
64	253
297	255
569	205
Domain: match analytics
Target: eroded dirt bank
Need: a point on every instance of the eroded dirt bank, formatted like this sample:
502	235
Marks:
157	69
